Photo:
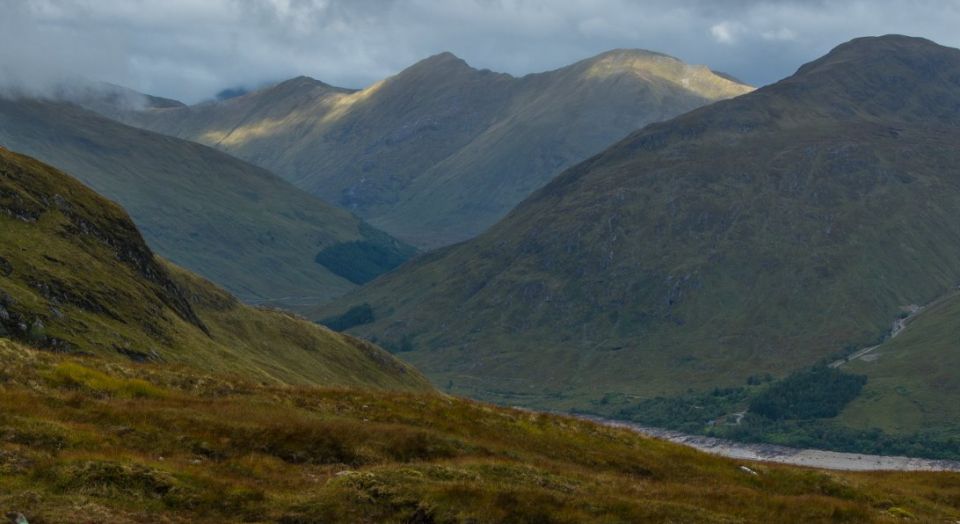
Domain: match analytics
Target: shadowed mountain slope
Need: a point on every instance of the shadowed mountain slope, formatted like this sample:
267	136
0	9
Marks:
440	151
234	223
756	235
76	277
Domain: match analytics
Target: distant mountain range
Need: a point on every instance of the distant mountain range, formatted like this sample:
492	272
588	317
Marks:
232	222
437	153
76	278
755	236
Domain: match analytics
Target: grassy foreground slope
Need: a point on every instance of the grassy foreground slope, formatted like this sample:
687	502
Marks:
85	439
230	221
440	151
756	235
76	277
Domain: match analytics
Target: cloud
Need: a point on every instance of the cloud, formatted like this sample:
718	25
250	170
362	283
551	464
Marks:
725	32
190	49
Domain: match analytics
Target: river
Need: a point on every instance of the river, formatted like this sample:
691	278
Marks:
813	458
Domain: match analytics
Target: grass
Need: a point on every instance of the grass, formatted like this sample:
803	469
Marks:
911	379
219	449
74	375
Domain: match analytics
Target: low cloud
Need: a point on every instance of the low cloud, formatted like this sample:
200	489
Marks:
191	50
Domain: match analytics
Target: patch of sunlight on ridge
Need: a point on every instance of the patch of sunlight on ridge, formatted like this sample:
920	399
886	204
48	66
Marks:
243	134
339	106
329	110
695	78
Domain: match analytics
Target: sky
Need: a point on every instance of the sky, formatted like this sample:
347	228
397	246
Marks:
191	49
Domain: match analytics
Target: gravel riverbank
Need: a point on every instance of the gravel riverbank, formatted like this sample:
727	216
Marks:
813	458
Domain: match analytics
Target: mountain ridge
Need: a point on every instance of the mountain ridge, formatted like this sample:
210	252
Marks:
439	151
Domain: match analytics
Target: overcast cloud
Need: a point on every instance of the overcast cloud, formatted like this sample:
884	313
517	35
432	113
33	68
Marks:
190	49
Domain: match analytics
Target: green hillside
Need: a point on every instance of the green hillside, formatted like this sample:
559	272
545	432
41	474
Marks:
231	222
85	439
439	152
755	236
77	278
912	379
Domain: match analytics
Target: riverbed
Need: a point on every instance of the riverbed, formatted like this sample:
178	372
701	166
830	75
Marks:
813	458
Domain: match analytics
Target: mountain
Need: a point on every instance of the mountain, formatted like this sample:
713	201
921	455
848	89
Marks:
437	153
77	278
95	441
234	223
755	236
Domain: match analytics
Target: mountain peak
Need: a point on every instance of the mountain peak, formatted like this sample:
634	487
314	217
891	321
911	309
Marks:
890	42
630	53
303	82
442	62
879	49
625	60
890	76
657	67
445	57
298	85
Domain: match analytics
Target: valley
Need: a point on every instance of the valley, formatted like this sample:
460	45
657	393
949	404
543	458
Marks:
554	278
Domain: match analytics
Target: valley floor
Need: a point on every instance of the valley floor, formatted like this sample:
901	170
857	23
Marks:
814	458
